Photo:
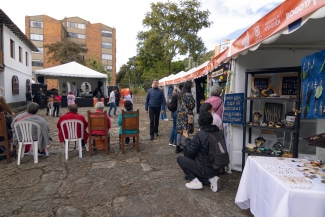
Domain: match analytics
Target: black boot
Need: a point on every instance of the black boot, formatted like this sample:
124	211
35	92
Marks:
178	149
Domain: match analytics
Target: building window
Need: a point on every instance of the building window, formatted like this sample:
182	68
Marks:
108	68
37	63
27	85
106	33
12	49
36	37
81	26
75	35
36	24
27	59
15	85
107	56
82	36
40	50
20	54
106	45
72	25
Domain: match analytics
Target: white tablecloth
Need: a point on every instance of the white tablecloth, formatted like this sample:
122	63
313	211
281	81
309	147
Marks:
266	187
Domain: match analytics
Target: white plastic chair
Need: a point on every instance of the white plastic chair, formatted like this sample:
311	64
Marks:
25	128
72	136
51	108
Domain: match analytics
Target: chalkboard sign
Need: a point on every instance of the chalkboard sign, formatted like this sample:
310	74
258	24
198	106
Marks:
233	108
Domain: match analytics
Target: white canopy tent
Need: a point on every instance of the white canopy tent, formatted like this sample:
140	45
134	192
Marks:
74	72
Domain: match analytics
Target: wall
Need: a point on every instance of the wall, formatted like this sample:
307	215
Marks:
254	60
14	67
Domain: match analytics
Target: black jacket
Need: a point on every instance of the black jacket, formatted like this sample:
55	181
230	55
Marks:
198	148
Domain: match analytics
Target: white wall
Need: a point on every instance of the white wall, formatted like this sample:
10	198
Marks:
14	67
254	60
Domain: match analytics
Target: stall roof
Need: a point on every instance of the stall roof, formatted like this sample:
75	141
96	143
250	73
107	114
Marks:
287	18
71	69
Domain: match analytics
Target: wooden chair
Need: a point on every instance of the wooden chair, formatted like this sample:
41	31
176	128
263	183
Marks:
130	121
98	121
3	133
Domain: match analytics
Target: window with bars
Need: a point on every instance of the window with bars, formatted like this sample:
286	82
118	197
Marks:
36	37
37	63
36	24
106	33
106	45
108	68
15	85
107	56
40	50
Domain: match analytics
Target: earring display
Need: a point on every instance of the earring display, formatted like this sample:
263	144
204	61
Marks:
272	113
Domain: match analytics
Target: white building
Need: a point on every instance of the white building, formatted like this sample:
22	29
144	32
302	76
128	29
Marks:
15	60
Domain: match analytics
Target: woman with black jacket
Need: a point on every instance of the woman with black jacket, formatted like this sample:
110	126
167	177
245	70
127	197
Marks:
196	166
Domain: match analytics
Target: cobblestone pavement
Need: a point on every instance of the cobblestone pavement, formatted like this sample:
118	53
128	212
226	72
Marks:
145	183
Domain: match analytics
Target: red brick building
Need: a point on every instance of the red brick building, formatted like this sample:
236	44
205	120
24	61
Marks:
98	38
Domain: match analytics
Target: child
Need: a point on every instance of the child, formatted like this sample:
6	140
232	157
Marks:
128	107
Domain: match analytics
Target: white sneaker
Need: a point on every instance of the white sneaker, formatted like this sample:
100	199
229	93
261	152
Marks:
171	144
215	184
194	185
166	119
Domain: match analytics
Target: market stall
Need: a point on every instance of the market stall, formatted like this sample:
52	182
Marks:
83	81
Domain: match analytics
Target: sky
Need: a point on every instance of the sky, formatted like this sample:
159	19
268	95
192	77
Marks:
230	17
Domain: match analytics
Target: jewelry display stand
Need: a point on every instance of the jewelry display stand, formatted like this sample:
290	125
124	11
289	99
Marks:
272	111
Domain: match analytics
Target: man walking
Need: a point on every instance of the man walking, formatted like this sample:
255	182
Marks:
154	101
29	97
112	101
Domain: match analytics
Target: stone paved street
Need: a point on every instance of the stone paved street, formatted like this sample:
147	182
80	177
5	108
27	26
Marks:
145	183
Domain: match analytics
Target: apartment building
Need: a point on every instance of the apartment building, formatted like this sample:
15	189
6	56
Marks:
98	38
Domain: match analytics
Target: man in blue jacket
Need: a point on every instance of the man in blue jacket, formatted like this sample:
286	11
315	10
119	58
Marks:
154	101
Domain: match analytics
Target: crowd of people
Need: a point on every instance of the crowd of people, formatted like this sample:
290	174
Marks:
195	164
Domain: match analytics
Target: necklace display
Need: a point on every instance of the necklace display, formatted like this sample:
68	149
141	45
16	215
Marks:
321	69
319	89
320	108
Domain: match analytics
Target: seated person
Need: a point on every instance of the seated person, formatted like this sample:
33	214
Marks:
129	107
100	108
4	104
198	169
216	118
87	90
50	99
30	115
72	114
8	123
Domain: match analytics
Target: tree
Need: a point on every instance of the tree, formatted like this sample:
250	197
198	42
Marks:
172	30
65	52
96	65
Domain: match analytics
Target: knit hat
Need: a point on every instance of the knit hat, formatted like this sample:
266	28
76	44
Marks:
205	107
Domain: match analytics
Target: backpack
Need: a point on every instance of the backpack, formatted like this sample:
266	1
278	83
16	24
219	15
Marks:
172	105
218	154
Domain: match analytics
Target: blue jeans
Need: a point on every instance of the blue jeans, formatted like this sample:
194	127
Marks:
163	116
173	133
112	105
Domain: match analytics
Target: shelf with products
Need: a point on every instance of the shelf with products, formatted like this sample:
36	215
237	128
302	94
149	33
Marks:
255	153
273	109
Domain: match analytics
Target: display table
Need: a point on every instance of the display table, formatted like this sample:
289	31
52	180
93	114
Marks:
272	186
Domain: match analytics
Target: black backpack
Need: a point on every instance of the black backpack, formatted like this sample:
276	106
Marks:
172	105
218	154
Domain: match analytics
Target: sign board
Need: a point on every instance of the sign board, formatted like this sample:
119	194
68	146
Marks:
233	108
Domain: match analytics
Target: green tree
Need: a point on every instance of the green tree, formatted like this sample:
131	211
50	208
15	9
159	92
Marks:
178	66
96	65
172	30
65	52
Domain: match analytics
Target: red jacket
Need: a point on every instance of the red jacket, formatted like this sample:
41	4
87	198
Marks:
69	116
101	132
